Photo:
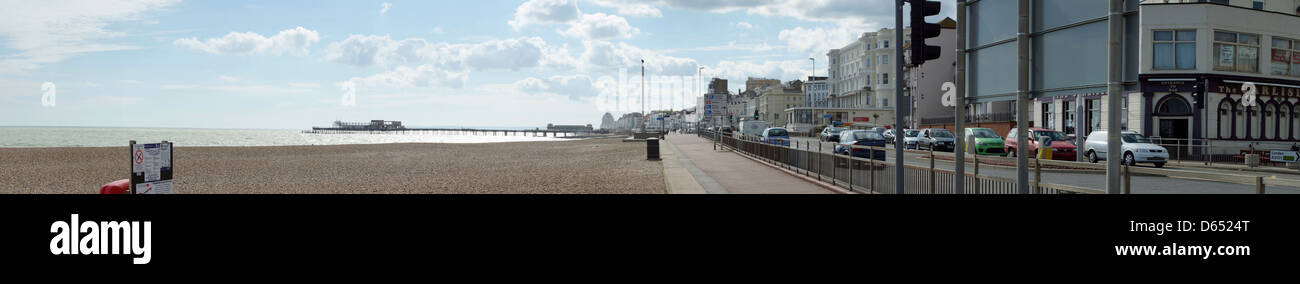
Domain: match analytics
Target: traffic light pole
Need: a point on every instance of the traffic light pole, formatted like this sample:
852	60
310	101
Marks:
1022	99
900	107
959	111
1114	96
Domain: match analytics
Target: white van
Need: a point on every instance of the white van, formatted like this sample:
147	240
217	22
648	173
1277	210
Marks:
752	127
1137	149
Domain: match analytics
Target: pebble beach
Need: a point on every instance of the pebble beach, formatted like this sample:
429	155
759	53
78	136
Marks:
590	166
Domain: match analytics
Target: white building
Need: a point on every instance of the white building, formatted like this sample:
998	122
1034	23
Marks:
1188	46
861	75
817	92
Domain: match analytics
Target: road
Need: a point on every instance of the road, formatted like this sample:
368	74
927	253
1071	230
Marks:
1093	179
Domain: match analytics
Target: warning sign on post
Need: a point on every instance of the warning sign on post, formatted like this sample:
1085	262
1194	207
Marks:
151	168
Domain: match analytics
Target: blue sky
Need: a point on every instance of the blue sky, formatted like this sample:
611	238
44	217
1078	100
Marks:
295	64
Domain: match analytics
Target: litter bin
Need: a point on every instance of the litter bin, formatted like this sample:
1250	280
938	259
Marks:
652	149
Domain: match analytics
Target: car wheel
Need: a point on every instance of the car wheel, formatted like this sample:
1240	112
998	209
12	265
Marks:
1129	160
1092	156
1160	165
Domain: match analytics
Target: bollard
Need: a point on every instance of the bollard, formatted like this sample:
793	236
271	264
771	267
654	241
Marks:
1127	179
1259	185
931	169
1038	175
977	174
652	149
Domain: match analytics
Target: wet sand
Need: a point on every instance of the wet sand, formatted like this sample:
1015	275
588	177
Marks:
593	166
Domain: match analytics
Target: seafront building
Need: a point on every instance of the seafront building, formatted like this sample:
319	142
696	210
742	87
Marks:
1185	65
817	92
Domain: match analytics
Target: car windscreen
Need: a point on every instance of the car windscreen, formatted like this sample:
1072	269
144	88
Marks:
867	135
910	133
777	132
984	133
940	133
834	130
1056	136
1134	138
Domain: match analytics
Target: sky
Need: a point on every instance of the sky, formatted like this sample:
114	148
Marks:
297	64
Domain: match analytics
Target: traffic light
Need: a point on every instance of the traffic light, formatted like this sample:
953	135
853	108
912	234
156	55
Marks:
922	30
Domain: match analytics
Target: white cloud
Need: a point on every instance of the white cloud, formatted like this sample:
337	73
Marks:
641	10
228	79
51	31
745	25
875	13
604	56
576	87
438	30
296	41
385	8
406	77
580	25
738	71
600	26
509	54
545	12
817	41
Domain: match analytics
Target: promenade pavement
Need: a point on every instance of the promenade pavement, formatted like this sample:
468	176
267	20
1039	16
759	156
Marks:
721	171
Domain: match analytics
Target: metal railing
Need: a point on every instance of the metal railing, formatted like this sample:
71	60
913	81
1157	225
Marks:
1209	152
864	175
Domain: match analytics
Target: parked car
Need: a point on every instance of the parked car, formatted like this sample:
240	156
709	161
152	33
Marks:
830	134
1137	149
880	130
936	139
1062	149
726	130
987	142
911	139
861	138
776	136
889	136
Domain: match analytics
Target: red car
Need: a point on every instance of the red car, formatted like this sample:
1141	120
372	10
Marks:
1062	148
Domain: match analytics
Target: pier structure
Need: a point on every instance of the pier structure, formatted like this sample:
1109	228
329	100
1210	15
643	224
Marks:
396	127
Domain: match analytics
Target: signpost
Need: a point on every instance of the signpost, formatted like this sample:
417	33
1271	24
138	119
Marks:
151	168
1283	156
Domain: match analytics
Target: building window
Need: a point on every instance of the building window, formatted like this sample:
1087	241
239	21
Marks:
1048	116
1094	115
885	103
1286	57
885	45
884	60
1258	5
1236	52
1174	49
884	79
1069	116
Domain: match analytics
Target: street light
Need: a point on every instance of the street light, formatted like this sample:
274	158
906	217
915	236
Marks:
643	87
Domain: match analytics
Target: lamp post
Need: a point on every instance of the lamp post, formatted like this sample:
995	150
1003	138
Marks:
643	89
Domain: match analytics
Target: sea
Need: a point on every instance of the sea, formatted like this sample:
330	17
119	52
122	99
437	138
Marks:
34	137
